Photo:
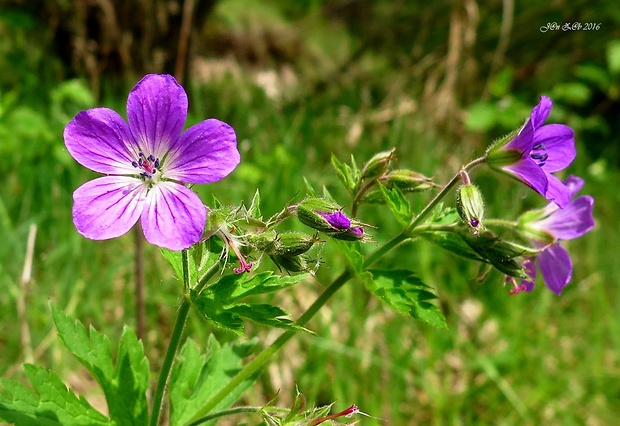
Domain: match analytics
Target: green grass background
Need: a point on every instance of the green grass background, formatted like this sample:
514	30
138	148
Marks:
530	359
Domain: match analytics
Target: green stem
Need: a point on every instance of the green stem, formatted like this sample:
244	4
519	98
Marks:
501	223
268	352
175	339
233	411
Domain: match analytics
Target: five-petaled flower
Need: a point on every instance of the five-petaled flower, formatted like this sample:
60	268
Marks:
550	225
148	160
537	151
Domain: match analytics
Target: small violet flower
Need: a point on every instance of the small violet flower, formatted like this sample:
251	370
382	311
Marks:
550	225
537	151
148	160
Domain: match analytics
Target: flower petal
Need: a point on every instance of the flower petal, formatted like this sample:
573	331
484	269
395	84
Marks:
559	141
157	110
574	184
557	191
570	222
108	207
556	267
524	141
541	111
174	216
100	139
205	153
529	172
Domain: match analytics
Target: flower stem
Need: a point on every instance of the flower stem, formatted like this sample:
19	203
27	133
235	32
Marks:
232	411
175	339
268	352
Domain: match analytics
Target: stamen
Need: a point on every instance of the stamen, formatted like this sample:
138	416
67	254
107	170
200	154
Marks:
149	165
539	154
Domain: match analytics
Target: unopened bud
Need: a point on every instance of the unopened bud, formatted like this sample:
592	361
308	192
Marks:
293	243
470	205
378	164
290	263
312	210
407	181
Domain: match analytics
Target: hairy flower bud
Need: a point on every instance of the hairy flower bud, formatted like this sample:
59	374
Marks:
290	263
312	210
293	243
327	217
407	180
470	205
378	164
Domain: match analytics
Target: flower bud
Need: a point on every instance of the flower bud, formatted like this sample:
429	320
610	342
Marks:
407	181
293	243
354	233
328	217
470	205
290	263
315	212
378	164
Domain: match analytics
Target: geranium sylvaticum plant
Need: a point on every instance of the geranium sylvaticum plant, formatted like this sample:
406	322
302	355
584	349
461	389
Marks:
226	256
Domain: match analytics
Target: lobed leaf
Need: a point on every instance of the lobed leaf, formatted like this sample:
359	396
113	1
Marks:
51	403
345	174
398	204
125	382
221	303
196	377
404	292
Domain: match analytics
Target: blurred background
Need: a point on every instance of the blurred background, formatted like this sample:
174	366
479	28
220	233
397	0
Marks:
300	80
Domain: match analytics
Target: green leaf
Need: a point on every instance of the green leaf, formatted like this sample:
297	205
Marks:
196	377
234	287
345	174
124	383
398	205
451	241
50	404
175	260
497	252
402	291
221	302
353	252
254	209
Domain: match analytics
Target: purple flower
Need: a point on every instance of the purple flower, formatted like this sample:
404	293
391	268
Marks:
537	151
552	225
147	161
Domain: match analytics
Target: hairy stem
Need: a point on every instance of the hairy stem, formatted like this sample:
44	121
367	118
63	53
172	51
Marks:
175	340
